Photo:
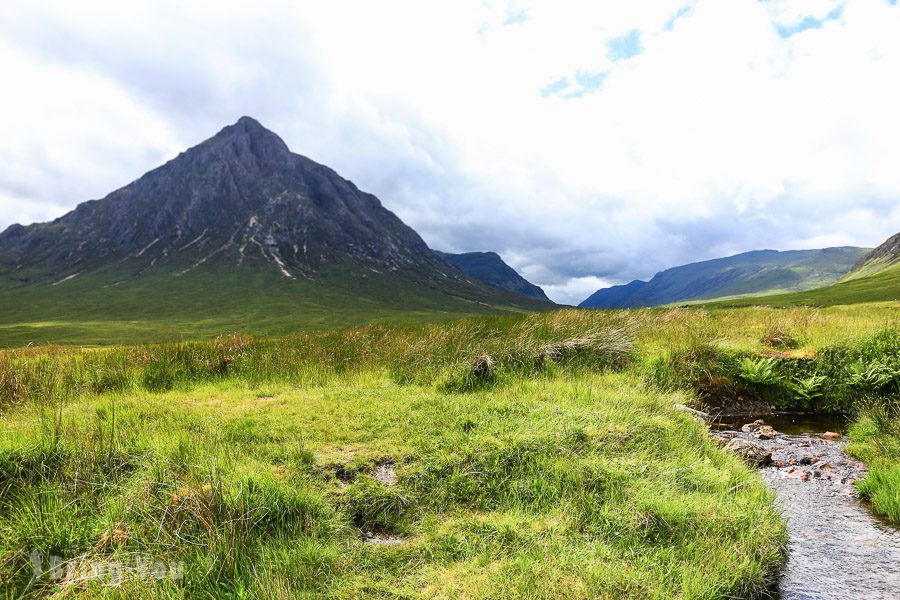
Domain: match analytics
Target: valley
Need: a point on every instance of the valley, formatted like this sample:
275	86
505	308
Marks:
245	371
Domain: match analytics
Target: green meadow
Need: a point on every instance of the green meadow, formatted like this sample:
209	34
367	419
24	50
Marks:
115	308
535	455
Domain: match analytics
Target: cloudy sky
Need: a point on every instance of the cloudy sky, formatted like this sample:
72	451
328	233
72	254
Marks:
589	143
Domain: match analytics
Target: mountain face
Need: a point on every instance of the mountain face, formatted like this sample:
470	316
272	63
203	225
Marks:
237	232
750	273
489	268
238	198
885	256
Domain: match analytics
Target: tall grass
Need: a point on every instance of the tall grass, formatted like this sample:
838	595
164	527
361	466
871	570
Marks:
675	347
411	354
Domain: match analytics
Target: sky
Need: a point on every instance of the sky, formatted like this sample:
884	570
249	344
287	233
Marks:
589	143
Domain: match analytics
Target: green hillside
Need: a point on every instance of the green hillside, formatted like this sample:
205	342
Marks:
885	256
881	286
874	278
162	306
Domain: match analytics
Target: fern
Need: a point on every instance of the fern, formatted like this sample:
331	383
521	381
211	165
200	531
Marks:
760	371
870	377
809	388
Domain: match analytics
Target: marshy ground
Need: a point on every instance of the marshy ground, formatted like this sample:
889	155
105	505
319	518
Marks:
503	457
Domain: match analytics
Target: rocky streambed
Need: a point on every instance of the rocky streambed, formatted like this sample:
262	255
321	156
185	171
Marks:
838	548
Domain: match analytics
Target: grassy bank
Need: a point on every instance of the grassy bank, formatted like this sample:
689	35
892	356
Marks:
876	441
515	456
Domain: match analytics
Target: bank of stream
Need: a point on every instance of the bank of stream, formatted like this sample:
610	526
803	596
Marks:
838	548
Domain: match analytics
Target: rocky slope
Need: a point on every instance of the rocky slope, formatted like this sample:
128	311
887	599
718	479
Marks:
238	198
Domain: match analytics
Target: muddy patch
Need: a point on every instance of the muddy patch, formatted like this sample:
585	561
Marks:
382	539
385	472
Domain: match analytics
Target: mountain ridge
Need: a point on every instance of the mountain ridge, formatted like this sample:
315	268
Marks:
490	268
744	274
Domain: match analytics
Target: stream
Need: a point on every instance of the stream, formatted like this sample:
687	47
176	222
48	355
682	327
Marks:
838	548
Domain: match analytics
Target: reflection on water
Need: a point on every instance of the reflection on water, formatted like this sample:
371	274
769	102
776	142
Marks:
792	423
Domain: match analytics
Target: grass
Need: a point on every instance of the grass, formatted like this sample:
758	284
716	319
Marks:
428	353
880	286
576	487
876	441
164	306
534	455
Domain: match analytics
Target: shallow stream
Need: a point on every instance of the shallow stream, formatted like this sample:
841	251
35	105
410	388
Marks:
838	548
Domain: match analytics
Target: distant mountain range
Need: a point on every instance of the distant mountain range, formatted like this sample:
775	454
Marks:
488	267
748	274
235	234
874	278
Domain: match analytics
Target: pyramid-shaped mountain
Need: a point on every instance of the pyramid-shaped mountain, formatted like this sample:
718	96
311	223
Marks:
236	223
240	196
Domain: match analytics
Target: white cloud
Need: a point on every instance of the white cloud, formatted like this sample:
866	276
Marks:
721	135
575	289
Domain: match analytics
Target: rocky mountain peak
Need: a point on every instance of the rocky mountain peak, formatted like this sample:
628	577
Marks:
240	198
245	144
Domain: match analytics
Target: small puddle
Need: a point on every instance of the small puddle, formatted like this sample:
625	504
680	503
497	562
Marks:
838	548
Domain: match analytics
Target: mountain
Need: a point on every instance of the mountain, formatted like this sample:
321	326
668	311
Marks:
747	274
885	256
235	234
240	197
874	278
488	267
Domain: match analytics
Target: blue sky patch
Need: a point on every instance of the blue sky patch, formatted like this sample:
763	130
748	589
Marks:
626	46
786	31
684	10
555	87
586	82
515	14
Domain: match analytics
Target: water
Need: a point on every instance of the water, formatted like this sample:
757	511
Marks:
838	548
792	423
